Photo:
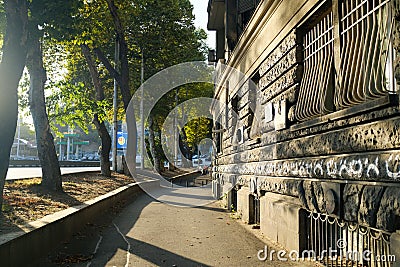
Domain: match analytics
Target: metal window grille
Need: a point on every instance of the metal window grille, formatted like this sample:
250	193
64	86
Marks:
318	66
362	63
366	52
334	242
245	5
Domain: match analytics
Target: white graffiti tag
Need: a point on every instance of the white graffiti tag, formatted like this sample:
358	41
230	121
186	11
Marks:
395	174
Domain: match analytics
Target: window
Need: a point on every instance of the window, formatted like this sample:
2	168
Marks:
238	15
353	70
365	57
317	82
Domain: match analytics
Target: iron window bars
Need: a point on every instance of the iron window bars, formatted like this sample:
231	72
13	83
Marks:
357	68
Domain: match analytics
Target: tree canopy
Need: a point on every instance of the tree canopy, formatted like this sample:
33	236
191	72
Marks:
154	34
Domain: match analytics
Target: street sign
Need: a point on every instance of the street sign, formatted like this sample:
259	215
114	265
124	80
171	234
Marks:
122	140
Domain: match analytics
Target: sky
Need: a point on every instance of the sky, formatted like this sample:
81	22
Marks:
201	15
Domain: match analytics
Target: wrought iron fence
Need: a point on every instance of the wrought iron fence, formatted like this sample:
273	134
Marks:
335	242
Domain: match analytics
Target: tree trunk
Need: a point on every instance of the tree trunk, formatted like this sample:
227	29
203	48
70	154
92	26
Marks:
159	164
186	163
51	174
11	68
153	149
100	126
123	54
122	79
105	146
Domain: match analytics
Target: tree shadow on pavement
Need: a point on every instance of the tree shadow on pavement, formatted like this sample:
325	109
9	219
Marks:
106	240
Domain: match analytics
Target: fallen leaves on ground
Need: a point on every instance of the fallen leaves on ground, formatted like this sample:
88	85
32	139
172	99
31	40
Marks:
26	200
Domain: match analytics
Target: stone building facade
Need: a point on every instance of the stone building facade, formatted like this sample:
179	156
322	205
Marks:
308	138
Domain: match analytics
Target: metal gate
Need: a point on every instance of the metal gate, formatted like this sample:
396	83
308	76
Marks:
254	210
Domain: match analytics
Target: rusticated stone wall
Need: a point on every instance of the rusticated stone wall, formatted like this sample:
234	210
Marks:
345	164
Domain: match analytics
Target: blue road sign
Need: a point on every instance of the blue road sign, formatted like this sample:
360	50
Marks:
122	140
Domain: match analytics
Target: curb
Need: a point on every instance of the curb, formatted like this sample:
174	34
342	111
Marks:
37	238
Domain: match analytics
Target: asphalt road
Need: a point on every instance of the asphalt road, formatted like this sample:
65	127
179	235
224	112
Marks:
31	172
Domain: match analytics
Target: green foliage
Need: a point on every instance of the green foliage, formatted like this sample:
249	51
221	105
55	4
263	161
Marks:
2	25
55	18
2	19
196	130
164	31
73	105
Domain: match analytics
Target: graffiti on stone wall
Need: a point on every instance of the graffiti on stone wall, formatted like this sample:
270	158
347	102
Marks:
393	167
369	167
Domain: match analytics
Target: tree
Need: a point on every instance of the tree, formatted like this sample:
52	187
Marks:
76	103
54	18
123	76
196	130
100	126
11	68
165	33
86	72
51	174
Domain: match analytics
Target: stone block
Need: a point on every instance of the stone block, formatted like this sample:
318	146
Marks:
216	189
395	248
244	203
282	220
388	217
268	227
370	201
351	201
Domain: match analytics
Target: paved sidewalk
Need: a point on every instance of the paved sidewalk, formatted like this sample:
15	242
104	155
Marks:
150	233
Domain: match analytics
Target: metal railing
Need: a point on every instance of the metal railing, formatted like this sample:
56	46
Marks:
334	242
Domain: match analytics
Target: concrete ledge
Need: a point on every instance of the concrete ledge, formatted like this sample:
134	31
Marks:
37	238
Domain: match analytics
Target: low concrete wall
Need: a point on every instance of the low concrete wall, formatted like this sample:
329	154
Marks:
283	221
21	248
64	163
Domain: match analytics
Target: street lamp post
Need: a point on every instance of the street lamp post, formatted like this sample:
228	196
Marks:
18	136
142	144
115	117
